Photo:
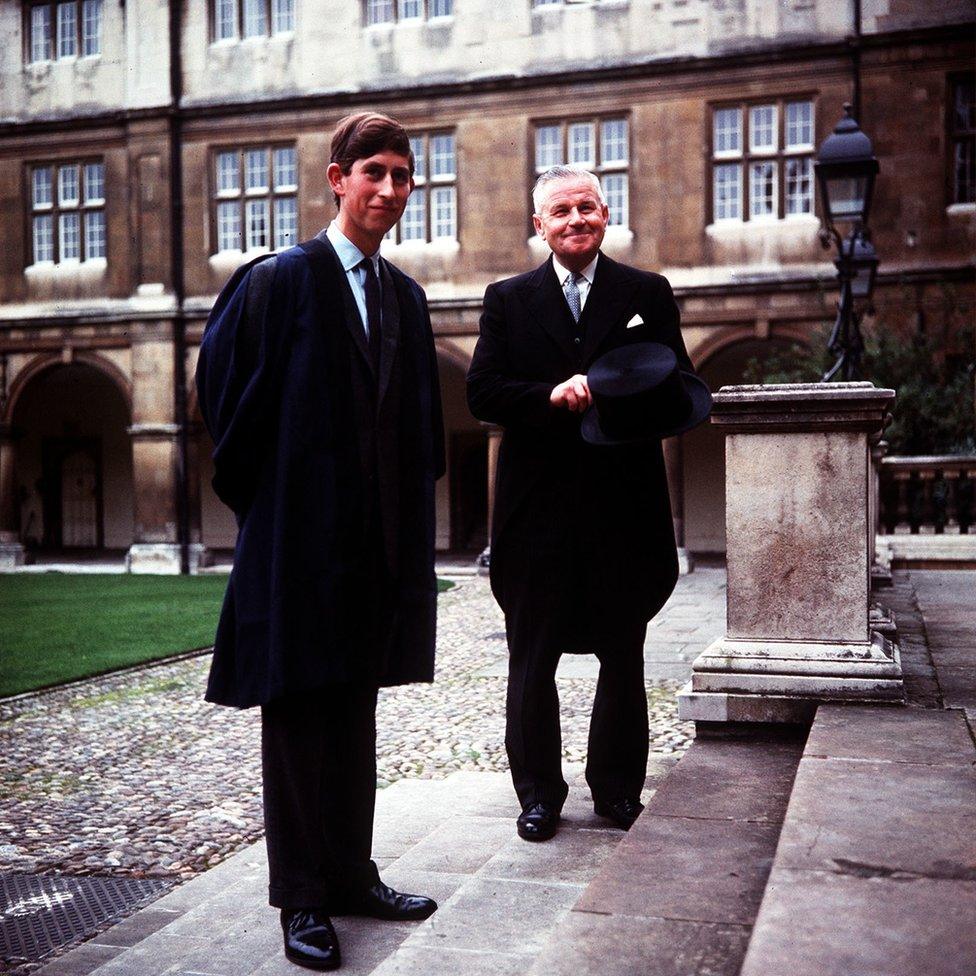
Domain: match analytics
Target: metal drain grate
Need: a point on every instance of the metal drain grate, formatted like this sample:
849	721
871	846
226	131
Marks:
43	912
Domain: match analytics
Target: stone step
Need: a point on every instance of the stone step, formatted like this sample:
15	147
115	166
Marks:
875	872
679	894
453	839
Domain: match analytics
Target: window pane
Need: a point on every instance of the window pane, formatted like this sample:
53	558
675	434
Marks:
727	192
67	29
546	3
42	189
615	189
411	9
582	143
762	128
256	170
225	19
228	226
286	222
228	173
91	28
442	156
379	11
762	190
282	16
799	125
69	232
548	146
799	186
441	8
727	131
613	141
256	224
964	171
94	234
94	182
964	105
255	18
69	190
419	158
413	223
41	34
443	205
43	238
285	168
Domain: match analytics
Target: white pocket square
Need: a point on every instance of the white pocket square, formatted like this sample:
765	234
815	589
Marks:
636	320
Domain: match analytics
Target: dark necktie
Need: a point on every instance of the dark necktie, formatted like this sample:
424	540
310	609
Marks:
373	312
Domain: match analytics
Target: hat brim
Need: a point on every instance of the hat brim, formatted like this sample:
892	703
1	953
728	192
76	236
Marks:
701	400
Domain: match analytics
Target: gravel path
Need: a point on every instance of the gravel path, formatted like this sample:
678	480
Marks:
134	774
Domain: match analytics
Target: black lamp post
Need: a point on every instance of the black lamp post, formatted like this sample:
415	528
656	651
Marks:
846	168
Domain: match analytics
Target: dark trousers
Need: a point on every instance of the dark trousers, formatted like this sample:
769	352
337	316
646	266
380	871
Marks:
318	753
616	763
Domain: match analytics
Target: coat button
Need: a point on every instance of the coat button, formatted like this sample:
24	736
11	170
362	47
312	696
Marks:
577	340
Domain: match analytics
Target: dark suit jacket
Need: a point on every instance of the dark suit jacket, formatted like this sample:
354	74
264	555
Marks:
578	530
330	472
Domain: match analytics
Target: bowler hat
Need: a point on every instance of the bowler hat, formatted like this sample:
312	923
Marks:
639	394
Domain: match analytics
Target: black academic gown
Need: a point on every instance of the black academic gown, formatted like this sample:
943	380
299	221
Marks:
308	442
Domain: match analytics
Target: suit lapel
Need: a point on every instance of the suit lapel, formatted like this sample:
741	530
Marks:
353	317
391	331
610	295
547	303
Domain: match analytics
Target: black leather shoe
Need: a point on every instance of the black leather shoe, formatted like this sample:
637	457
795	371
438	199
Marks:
381	901
310	940
623	811
538	821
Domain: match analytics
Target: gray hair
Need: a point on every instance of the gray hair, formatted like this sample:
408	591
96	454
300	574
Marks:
556	173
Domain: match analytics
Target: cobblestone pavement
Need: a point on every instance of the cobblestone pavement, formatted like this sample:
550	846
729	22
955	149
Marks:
134	774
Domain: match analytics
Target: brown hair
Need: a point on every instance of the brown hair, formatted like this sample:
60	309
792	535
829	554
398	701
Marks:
364	134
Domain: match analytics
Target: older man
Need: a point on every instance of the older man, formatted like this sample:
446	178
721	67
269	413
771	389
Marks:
318	381
582	551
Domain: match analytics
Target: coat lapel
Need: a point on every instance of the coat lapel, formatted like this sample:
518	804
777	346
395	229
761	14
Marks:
353	317
547	303
391	331
610	295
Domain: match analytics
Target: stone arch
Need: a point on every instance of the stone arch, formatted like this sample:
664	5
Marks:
70	454
46	361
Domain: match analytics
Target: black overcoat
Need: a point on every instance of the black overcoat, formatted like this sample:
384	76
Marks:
578	530
283	399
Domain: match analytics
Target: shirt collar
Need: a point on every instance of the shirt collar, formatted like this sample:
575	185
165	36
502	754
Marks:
563	273
350	256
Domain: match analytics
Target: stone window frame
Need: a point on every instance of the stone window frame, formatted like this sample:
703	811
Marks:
596	163
385	13
86	43
241	195
426	185
272	12
960	140
750	155
86	206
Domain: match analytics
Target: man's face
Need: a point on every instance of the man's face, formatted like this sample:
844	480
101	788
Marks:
573	222
372	196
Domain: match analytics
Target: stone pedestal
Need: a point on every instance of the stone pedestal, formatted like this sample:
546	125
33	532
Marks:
154	464
798	524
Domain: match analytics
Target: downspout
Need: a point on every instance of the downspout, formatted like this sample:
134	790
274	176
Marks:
179	285
856	63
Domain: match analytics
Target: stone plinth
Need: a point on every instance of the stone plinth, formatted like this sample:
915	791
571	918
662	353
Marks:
798	524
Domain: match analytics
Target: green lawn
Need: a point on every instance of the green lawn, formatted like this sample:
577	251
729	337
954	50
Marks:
55	627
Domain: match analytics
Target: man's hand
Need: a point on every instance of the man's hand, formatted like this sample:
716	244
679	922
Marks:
574	394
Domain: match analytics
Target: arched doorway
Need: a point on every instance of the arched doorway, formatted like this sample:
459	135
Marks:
73	471
462	497
704	447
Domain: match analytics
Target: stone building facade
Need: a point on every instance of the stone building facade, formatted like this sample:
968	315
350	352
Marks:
148	148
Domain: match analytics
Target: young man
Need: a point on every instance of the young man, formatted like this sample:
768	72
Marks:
317	380
582	551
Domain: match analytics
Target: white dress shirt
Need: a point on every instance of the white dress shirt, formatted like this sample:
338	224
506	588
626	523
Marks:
583	283
350	257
